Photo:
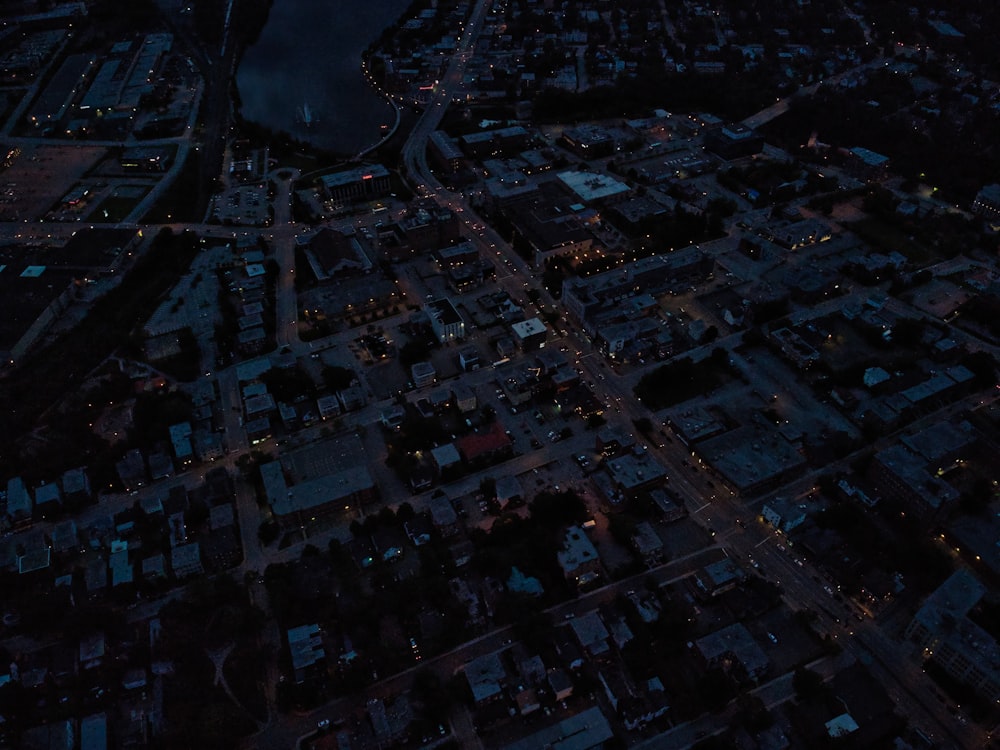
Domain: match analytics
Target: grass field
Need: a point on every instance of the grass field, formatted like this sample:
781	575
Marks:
118	205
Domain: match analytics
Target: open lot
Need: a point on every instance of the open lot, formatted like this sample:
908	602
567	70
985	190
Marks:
39	176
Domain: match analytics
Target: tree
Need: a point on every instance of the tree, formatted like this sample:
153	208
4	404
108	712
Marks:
338	378
807	683
268	532
405	512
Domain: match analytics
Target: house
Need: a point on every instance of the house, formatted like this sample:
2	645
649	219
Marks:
419	529
508	490
718	577
154	568
443	515
485	446
122	572
389	543
423	374
48	500
591	634
465	398
647	544
305	643
734	650
185	560
485	675
560	684
76	488
445	457
392	417
19	505
132	470
468	358
94	732
64	537
519	583
92	650
180	440
390	722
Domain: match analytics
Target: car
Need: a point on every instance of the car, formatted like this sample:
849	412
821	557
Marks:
323	725
582	461
772	638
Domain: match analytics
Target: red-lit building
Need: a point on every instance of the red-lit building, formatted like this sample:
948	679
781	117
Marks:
360	183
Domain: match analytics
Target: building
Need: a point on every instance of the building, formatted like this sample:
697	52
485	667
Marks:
453	256
336	254
493	143
600	299
733	142
360	183
943	631
446	321
588	141
578	557
987	202
782	514
486	446
593	187
529	334
633	472
298	504
446	151
145	159
587	730
423	374
426	226
902	476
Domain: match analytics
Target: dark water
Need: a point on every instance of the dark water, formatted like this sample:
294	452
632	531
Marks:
309	57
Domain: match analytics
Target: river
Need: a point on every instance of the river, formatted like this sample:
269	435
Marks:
307	65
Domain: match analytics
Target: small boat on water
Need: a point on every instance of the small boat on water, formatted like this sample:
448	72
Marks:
305	115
